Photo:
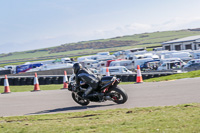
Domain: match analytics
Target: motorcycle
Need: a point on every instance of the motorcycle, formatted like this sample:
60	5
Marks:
107	90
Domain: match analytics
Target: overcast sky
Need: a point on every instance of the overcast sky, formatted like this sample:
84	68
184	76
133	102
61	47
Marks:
33	24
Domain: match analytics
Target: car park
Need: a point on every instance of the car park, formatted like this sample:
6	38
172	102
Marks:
128	58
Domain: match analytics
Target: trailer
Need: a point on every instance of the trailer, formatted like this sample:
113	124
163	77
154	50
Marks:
26	67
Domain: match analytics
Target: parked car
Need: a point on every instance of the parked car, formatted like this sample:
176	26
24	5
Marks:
88	63
150	65
170	65
192	62
141	61
115	70
192	67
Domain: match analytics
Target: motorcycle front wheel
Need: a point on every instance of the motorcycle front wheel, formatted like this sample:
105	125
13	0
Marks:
79	99
118	95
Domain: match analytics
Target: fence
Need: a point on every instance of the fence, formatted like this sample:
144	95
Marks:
58	79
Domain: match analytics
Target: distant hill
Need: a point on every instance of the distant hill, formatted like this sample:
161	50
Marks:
94	46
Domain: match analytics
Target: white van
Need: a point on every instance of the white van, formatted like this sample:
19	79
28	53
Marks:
135	55
103	53
106	57
88	63
151	55
100	64
65	60
103	57
115	70
127	63
171	60
185	56
79	59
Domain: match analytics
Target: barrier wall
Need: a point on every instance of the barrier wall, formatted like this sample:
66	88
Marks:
47	72
45	80
3	72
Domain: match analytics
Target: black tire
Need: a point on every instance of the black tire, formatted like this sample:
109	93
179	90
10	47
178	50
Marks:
79	100
118	95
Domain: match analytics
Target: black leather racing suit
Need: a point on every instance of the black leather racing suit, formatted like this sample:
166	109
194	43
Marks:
88	77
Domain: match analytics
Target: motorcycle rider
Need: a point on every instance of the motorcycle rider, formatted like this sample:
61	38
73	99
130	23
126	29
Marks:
85	75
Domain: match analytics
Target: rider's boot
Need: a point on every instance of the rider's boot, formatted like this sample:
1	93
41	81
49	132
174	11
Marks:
89	89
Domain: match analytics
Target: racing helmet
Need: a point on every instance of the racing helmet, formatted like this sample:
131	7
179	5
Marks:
77	67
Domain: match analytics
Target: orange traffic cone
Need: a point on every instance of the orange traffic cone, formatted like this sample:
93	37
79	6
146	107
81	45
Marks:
65	81
6	86
139	75
107	72
36	83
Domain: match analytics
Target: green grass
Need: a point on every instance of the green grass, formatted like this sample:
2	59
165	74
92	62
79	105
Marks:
169	119
191	74
144	40
22	61
126	83
157	36
33	56
24	88
67	54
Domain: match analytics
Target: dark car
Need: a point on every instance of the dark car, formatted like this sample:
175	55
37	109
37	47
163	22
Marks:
153	64
192	67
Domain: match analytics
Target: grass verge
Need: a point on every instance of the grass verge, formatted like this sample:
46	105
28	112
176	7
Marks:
24	88
181	118
192	74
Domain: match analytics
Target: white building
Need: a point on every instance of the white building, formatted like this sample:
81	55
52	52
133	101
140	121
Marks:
192	42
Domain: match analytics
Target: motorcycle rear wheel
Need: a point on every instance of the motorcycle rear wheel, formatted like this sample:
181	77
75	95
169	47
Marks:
80	100
118	95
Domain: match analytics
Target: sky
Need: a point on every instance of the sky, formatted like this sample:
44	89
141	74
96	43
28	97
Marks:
34	24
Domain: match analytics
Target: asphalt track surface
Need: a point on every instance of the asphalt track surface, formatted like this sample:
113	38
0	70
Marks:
164	93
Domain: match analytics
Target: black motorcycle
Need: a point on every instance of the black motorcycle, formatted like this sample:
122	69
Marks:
107	90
